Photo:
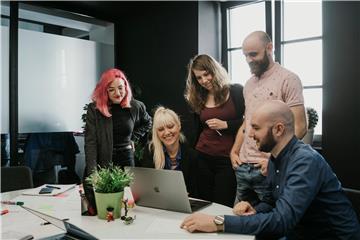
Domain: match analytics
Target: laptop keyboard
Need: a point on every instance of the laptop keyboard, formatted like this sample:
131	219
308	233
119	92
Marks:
197	205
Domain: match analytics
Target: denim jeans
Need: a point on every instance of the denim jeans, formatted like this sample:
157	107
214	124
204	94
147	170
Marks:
251	184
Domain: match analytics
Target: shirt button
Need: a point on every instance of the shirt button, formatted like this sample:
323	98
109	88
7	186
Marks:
277	186
277	171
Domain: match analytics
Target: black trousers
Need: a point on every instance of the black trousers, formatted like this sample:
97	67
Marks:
123	157
216	179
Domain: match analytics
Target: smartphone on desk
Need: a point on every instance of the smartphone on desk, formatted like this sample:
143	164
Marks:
46	190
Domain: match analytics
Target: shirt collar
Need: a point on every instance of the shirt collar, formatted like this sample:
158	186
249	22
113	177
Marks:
178	155
285	150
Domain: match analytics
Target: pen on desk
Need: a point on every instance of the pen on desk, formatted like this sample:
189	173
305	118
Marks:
218	132
49	186
3	212
12	203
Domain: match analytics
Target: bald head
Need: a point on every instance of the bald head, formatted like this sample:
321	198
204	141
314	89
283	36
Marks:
258	37
276	111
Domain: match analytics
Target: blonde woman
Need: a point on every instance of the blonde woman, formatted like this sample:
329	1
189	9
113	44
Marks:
168	148
218	112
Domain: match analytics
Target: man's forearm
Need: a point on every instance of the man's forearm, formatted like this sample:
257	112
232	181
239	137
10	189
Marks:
238	140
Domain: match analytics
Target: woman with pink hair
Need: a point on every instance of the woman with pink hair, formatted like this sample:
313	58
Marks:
114	121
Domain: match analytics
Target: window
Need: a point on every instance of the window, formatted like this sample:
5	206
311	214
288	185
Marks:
239	27
297	41
301	48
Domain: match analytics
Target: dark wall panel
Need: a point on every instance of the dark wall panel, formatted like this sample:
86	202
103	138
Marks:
341	102
155	44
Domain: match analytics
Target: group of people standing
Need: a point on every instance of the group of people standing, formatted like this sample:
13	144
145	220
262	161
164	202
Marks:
226	163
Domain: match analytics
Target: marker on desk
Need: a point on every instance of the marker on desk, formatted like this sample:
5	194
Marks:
12	203
3	212
49	186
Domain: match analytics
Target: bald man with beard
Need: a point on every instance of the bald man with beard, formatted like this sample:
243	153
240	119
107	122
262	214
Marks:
309	200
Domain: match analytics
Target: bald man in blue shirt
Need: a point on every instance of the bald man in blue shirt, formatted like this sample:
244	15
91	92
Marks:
309	202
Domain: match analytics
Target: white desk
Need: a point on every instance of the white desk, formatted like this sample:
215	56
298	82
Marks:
150	223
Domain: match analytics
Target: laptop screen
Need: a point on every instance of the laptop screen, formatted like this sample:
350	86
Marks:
71	230
160	188
55	221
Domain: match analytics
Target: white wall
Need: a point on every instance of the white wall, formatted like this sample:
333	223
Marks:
210	29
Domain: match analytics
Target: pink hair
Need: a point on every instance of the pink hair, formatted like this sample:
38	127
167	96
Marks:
100	94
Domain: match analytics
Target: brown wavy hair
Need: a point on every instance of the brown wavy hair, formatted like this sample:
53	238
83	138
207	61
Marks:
195	94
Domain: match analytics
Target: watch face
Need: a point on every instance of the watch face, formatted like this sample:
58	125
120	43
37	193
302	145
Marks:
219	220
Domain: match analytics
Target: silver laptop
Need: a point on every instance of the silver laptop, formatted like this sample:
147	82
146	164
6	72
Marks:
164	189
71	231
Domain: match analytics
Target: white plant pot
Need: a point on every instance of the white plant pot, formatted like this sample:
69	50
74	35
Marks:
309	137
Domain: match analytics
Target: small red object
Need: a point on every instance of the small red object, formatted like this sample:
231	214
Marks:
3	212
110	214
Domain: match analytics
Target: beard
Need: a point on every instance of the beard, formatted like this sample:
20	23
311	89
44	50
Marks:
260	66
268	143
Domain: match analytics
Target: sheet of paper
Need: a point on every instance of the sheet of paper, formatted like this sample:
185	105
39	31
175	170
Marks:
62	188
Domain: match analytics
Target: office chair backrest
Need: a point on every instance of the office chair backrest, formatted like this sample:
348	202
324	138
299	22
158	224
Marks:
16	178
354	197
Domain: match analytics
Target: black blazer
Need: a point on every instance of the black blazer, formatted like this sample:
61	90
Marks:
99	133
188	165
236	94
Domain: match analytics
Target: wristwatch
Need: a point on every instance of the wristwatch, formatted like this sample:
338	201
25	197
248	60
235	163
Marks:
219	222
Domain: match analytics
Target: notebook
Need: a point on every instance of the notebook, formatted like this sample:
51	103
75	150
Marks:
71	231
164	189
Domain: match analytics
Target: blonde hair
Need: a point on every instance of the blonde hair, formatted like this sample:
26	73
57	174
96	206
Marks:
195	94
162	117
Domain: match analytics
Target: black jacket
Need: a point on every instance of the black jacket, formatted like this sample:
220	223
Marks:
99	133
188	165
236	94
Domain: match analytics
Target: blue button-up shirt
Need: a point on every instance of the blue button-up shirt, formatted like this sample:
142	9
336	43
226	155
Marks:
308	195
168	160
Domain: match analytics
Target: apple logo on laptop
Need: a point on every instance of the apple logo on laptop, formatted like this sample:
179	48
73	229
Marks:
156	189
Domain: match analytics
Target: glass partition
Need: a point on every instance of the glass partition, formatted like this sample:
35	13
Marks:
4	68
4	86
60	62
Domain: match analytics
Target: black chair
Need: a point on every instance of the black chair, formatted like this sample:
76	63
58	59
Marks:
354	197
16	178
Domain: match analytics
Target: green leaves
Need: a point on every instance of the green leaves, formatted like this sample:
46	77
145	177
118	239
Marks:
83	116
110	179
312	117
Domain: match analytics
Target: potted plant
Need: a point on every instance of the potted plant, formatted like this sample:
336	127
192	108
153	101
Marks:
109	183
312	120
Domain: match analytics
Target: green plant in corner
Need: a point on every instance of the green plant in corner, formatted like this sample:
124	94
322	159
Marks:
83	116
312	116
110	179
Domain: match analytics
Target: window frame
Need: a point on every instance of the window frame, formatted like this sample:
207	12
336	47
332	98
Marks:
275	32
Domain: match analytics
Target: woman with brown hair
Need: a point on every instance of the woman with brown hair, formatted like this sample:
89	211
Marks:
218	111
